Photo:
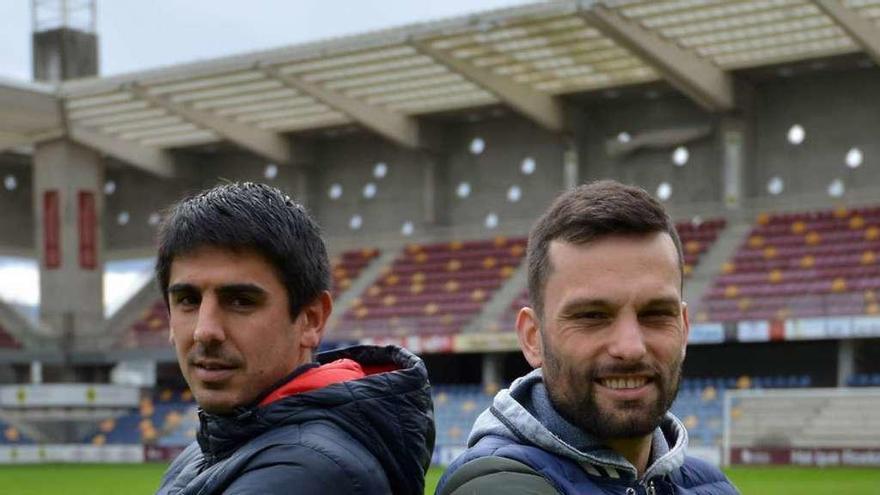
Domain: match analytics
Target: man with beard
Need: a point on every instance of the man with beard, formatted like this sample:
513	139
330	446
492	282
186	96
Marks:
606	332
245	276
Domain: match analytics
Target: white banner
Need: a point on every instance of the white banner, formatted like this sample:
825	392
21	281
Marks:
70	394
31	454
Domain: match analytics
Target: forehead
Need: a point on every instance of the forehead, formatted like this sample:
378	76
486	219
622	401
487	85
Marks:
615	266
211	264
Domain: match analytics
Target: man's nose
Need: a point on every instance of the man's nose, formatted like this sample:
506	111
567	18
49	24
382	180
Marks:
209	327
627	341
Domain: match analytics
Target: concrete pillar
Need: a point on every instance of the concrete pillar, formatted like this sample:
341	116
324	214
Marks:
571	164
846	361
733	154
493	370
69	206
36	372
437	187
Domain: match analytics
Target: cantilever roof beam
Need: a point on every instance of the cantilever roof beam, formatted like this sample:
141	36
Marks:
544	109
699	79
862	31
264	143
401	129
153	160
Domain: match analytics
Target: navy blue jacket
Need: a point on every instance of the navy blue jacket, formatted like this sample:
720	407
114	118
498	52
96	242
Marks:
373	435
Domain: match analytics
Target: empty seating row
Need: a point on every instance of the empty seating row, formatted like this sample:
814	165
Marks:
433	288
805	264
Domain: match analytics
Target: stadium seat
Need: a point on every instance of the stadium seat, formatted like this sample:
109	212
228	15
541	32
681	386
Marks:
432	288
803	264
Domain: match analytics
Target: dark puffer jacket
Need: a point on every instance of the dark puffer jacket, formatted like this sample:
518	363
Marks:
372	435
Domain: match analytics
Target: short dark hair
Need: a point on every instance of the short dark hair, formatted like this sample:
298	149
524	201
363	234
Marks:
242	216
589	212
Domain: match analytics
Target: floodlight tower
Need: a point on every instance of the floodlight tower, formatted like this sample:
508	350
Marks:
64	39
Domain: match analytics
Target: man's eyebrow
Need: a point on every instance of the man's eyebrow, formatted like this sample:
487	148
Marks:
587	302
177	288
241	289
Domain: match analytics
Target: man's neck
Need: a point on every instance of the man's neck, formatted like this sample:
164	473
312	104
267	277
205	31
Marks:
636	450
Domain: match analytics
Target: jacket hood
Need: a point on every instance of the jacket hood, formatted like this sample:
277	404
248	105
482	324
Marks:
388	412
509	417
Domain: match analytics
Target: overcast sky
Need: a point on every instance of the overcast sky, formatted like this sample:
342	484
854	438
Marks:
142	34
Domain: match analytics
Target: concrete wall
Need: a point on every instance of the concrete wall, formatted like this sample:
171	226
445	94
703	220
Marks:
838	110
349	162
699	180
16	207
508	141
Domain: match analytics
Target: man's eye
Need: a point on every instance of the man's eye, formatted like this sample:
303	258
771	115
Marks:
591	315
241	302
186	300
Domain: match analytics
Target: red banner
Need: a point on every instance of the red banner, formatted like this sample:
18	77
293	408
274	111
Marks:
51	230
88	232
814	457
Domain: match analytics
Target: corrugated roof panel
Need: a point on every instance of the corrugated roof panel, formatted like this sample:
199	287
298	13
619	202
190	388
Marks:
98	100
716	10
411	83
375	79
770	41
442	103
182	139
598	81
786	53
206	82
448	89
244	99
141	124
315	121
289	113
755	18
389	65
123	117
357	58
159	131
224	91
757	31
266	105
116	108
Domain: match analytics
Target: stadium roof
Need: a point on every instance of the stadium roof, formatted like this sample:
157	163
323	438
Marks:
525	58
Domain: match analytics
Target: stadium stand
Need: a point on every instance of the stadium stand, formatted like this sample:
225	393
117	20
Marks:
8	341
433	288
806	419
13	436
806	264
151	329
165	418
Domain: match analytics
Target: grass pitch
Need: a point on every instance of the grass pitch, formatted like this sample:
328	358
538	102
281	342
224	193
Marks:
134	479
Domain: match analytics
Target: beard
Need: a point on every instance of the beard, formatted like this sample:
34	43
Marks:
573	394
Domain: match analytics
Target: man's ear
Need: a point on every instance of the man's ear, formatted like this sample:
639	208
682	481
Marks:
313	318
528	331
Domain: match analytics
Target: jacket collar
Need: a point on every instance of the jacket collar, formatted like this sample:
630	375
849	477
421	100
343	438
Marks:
510	417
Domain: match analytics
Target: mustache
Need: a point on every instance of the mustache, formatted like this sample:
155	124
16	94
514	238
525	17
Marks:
625	369
214	354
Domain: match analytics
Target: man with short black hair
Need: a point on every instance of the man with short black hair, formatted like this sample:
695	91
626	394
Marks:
245	276
606	331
